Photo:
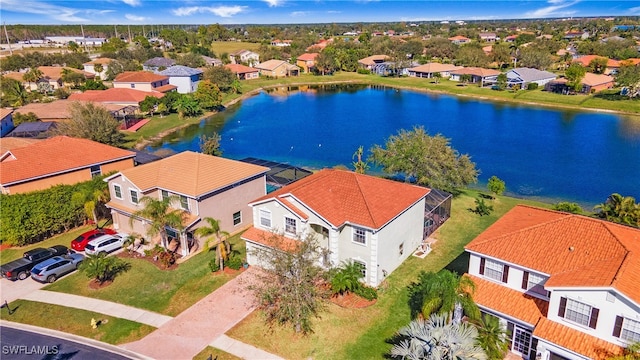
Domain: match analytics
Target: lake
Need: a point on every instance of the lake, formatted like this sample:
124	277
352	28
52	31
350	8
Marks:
540	153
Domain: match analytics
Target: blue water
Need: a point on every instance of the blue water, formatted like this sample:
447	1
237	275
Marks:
538	152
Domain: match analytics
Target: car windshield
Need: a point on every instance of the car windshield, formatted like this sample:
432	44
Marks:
90	247
36	271
79	238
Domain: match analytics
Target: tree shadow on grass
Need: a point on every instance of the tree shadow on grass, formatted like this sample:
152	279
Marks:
460	264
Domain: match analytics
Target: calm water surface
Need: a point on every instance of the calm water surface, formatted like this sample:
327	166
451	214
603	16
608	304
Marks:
540	153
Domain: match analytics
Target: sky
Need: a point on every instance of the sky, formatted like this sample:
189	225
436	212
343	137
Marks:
298	11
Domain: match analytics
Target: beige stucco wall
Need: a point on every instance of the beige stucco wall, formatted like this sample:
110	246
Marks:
116	166
137	86
69	178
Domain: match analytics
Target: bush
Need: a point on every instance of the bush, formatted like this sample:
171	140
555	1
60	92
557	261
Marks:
532	86
366	292
234	263
167	258
213	265
364	71
482	208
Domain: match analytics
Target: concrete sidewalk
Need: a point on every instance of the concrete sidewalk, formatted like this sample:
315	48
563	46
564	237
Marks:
100	306
241	350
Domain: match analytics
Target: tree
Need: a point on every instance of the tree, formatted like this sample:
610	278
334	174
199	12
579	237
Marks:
436	77
442	293
187	106
568	207
631	352
286	291
501	81
13	93
465	78
210	145
438	338
162	109
326	63
32	75
149	104
208	95
91	201
429	160
534	58
496	185
73	46
92	84
598	65
471	55
98	68
19	118
161	215
482	208
103	268
501	54
220	237
574	74
71	77
346	278
220	76
629	76
191	60
492	337
620	209
359	165
93	122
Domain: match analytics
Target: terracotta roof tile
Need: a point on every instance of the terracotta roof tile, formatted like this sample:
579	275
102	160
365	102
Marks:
574	340
343	196
308	56
56	110
114	95
8	143
476	71
190	173
139	77
240	69
592	79
55	72
55	155
166	88
293	208
4	112
586	60
507	301
269	239
272	64
18	76
459	37
435	67
101	61
370	60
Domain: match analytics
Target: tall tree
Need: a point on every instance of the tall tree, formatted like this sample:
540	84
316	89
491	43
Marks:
210	145
32	75
360	166
442	293
492	337
429	160
534	58
496	185
161	215
93	122
91	200
220	76
187	106
220	238
574	74
13	93
620	209
208	95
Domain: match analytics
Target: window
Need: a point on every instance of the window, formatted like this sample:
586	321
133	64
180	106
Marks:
359	235
95	171
117	191
578	312
164	194
134	196
630	329
401	249
184	202
493	269
363	268
534	283
237	218
290	225
265	218
133	86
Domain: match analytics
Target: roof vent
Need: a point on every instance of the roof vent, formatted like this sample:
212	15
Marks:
571	248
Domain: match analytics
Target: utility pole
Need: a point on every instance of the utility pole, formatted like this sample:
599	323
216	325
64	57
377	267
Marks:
83	38
129	29
7	36
115	27
143	33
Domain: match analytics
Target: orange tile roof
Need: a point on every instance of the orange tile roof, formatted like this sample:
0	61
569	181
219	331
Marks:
139	77
165	88
190	173
114	95
476	71
101	61
579	251
519	306
435	67
55	72
341	196
269	239
459	37
240	69
8	143
575	340
370	60
591	79
273	64
55	155
18	76
586	60
4	112
55	110
308	56
632	61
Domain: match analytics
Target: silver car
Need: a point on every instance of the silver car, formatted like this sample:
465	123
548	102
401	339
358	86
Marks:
50	270
105	244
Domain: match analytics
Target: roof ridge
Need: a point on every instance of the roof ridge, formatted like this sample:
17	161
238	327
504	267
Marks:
364	198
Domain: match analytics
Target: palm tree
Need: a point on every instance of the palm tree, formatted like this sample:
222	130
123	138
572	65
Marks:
438	339
98	68
91	200
347	278
223	248
359	165
492	337
33	75
442	292
161	215
620	209
16	95
101	267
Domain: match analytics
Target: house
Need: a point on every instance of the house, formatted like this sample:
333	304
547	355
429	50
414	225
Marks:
184	77
612	66
576	35
244	57
277	69
243	72
592	83
281	43
207	186
89	41
158	64
459	40
90	67
564	285
212	61
488	37
58	160
6	121
478	75
373	221
392	68
123	110
510	38
32	130
370	61
320	45
48	112
427	70
306	61
143	80
525	76
50	80
120	96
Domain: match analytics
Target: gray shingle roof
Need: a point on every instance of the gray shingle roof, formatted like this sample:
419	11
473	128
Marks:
529	74
179	70
160	61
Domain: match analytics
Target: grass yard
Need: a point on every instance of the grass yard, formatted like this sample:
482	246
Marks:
74	321
159	125
221	47
362	333
144	286
215	354
13	253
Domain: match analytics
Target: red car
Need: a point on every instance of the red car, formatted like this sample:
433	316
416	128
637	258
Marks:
81	241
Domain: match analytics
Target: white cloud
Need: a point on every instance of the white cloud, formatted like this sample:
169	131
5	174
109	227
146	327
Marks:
59	13
135	18
553	9
635	10
132	2
334	12
222	11
299	13
274	3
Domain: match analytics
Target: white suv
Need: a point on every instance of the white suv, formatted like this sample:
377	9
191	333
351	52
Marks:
105	244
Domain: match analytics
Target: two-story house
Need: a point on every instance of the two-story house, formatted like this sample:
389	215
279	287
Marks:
186	79
307	61
207	186
565	286
277	69
373	221
244	57
102	64
144	81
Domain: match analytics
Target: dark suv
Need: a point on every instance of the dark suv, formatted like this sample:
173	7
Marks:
79	243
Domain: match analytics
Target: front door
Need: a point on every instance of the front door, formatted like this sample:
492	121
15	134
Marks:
521	342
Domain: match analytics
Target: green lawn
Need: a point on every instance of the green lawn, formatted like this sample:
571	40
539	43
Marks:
144	286
62	239
158	125
215	354
221	47
75	321
362	333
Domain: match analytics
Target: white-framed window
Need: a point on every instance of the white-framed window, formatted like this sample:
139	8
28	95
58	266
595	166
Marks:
401	249
164	194
630	330
578	312
184	202
134	196
536	284
117	191
290	225
237	218
359	235
265	218
363	268
493	269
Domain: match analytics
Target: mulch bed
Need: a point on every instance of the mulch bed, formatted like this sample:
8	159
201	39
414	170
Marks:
351	301
95	285
158	264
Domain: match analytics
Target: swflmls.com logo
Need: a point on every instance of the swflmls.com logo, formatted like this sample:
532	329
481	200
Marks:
29	350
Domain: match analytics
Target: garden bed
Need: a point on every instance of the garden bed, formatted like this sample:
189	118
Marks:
351	301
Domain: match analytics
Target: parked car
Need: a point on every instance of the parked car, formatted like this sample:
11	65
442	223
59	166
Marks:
105	244
81	241
50	270
20	268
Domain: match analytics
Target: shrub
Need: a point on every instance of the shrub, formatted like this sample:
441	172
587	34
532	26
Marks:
366	292
213	265
482	208
364	71
532	86
234	263
167	258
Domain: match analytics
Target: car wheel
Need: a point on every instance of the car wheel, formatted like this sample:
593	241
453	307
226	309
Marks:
22	275
51	278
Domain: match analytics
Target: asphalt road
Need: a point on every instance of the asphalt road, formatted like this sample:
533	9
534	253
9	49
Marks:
25	345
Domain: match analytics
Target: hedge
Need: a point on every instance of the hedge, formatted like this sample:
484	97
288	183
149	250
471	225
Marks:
32	217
